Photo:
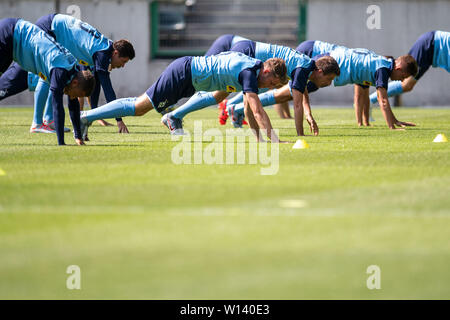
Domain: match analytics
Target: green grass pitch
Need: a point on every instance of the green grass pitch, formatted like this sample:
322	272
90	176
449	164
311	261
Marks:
141	227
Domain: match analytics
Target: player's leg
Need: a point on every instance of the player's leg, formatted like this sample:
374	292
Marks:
48	114
41	94
154	97
358	101
81	102
396	87
6	42
198	101
365	107
13	81
221	44
223	107
48	111
283	110
115	109
423	51
173	84
118	108
306	47
268	98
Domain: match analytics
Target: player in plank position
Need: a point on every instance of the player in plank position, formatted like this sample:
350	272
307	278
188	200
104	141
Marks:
364	68
38	53
221	44
431	49
92	50
300	68
222	73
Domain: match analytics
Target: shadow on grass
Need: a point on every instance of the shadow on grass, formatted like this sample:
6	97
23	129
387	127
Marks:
126	134
19	125
115	145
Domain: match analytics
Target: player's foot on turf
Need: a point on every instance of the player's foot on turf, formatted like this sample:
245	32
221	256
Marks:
51	124
84	126
237	119
371	119
175	125
41	128
223	114
104	123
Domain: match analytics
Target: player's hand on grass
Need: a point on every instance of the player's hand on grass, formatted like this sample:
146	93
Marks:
122	127
279	141
313	127
79	142
404	124
104	123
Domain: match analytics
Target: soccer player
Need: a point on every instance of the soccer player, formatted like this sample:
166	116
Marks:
38	53
15	80
283	110
299	68
364	68
92	50
431	49
223	43
222	73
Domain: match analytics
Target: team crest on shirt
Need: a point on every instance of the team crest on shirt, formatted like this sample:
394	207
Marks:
83	63
42	76
367	83
231	89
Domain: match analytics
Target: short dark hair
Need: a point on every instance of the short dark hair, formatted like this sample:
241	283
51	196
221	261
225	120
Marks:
278	68
86	82
411	64
125	48
328	65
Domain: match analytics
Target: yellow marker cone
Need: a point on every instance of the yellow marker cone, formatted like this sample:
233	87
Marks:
2	173
440	138
300	144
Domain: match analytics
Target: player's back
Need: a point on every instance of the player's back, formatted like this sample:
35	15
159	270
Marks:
321	47
80	38
358	65
292	58
221	71
37	52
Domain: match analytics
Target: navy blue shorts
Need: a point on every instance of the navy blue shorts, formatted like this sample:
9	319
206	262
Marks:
306	47
13	81
423	51
6	42
246	47
222	44
172	85
45	23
